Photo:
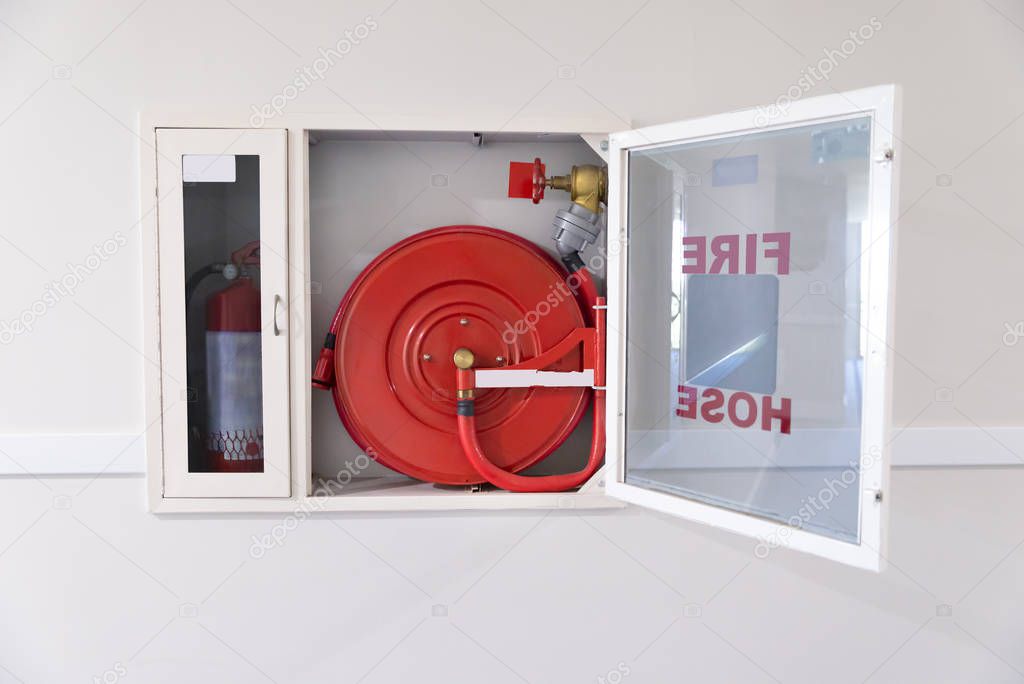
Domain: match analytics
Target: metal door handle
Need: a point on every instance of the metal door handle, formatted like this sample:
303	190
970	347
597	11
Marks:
277	303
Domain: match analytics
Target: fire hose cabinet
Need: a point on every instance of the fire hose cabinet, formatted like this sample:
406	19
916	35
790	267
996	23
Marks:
424	314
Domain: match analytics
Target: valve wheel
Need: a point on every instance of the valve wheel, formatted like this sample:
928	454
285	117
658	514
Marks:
539	181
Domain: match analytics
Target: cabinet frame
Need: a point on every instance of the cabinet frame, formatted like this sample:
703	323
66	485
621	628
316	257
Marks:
270	146
303	497
607	488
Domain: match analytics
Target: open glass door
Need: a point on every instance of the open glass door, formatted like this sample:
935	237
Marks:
223	245
749	321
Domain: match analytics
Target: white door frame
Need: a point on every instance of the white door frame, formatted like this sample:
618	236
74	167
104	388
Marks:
272	148
880	103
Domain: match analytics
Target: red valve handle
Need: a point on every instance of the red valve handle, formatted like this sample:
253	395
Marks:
538	180
527	180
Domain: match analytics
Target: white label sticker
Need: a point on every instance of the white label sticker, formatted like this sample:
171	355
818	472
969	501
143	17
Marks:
208	168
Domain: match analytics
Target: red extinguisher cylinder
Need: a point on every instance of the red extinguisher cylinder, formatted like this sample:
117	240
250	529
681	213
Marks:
234	379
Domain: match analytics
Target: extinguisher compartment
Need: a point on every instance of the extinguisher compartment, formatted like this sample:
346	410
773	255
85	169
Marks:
416	249
224	356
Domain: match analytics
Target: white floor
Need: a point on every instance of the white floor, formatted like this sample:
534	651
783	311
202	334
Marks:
92	587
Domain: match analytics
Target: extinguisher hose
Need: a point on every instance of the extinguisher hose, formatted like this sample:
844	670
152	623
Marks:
192	284
543	483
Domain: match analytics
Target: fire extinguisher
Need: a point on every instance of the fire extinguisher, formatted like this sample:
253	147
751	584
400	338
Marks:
234	379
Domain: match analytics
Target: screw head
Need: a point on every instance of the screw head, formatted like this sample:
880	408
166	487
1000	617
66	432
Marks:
499	359
463	321
426	357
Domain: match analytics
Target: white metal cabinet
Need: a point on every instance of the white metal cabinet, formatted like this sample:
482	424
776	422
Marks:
820	170
218	189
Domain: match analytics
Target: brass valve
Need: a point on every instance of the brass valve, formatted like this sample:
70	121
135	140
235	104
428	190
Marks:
578	225
587	186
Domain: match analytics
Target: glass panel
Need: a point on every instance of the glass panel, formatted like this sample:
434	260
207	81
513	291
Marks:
745	355
222	300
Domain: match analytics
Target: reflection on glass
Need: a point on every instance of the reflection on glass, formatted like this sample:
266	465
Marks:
745	356
222	298
736	347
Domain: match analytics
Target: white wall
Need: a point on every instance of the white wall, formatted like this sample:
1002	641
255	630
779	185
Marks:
101	583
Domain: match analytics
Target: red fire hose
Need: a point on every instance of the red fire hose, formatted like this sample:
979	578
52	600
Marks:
545	483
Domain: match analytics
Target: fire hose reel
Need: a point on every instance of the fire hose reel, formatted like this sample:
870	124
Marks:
465	354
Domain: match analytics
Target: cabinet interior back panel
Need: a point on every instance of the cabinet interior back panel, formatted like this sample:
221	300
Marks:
365	196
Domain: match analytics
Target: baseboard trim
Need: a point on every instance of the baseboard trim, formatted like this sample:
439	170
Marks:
72	454
958	446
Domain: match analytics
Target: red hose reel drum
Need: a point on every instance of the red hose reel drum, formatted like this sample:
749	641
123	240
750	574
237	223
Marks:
406	314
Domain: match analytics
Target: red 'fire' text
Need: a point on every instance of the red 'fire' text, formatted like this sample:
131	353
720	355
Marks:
724	252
